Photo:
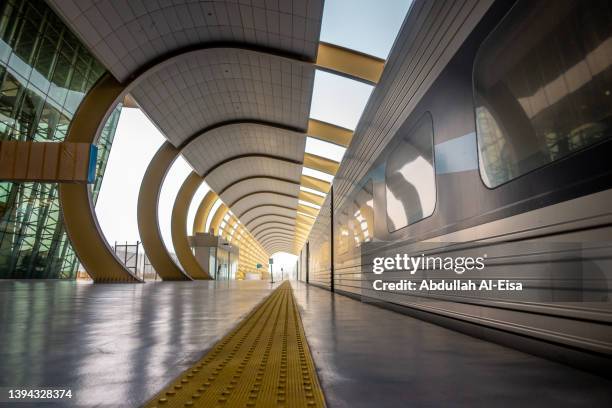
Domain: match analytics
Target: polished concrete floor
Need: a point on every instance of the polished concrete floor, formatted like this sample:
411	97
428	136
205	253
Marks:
371	357
118	345
112	345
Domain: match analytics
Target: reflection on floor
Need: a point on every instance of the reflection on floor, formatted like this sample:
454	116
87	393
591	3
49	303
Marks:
371	357
119	345
113	345
264	362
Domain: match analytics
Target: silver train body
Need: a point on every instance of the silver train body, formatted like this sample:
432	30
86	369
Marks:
508	155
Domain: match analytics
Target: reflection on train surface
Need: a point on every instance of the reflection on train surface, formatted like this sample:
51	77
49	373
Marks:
507	155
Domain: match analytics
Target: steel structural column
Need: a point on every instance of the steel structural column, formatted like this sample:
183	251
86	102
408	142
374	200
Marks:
78	213
148	224
331	216
308	262
178	227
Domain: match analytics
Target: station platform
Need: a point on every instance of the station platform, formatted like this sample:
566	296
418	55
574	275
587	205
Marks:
129	345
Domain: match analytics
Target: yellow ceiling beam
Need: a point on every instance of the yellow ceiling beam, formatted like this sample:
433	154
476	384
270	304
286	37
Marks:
315	184
199	222
218	218
303	220
311	198
307	210
178	227
80	219
350	63
321	163
148	222
329	133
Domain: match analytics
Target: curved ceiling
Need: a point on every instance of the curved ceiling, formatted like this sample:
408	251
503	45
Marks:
215	85
263	198
230	172
265	219
275	226
125	36
221	143
250	217
242	189
229	83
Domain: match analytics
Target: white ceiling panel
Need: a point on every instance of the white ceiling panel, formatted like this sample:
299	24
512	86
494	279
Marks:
263	198
213	86
249	218
129	35
235	170
265	219
222	143
258	184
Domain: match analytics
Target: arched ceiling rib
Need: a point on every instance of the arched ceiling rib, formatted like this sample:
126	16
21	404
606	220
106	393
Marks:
126	36
221	84
221	143
229	84
261	230
231	195
262	198
251	215
270	218
254	178
278	240
274	232
243	167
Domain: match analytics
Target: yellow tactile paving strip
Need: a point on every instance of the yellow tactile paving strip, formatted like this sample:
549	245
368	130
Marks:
264	362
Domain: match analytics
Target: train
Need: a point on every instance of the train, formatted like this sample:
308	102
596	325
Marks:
508	155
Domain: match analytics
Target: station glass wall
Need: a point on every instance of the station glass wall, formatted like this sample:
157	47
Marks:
44	74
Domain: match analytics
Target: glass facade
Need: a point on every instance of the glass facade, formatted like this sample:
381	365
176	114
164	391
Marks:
44	74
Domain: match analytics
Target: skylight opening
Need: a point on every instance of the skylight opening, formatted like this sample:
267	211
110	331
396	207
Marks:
310	190
363	25
308	204
324	149
195	203
338	100
116	207
307	171
172	183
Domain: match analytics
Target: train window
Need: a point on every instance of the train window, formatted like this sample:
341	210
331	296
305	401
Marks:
542	86
364	213
409	177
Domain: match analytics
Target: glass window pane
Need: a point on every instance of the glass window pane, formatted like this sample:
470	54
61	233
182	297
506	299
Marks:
543	83
410	178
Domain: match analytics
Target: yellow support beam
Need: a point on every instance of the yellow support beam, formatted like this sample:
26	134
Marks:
311	198
315	184
178	227
148	224
80	219
321	163
218	218
307	210
329	133
199	222
350	63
